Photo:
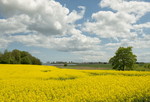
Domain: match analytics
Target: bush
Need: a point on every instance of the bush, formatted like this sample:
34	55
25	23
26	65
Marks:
65	64
147	65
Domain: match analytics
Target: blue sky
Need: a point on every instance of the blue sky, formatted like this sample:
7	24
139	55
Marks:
75	30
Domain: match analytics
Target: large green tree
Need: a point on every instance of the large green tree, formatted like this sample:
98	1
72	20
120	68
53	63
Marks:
123	59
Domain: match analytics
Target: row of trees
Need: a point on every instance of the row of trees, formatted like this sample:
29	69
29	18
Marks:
123	59
18	57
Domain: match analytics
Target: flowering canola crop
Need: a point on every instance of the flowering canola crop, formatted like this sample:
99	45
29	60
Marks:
33	83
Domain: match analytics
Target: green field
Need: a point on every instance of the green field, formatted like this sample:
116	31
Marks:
89	66
136	67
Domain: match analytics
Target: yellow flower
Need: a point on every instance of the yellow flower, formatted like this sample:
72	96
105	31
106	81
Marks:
33	83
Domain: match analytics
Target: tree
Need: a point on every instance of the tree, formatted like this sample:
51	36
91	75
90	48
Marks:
123	59
5	58
16	56
65	64
26	60
1	54
36	61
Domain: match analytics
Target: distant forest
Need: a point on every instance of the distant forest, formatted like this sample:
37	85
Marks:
18	57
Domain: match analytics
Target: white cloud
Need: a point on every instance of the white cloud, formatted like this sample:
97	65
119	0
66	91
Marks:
140	26
120	22
76	42
112	46
11	26
95	55
47	22
143	57
47	17
138	43
138	8
143	42
4	42
108	24
74	15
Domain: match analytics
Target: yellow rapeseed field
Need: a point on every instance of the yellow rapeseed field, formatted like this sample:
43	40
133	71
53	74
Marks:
33	83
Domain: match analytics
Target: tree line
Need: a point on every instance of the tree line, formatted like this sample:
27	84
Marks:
18	57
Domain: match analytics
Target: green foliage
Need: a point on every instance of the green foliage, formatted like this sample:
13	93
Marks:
147	65
26	60
94	65
6	58
35	61
65	64
123	59
18	57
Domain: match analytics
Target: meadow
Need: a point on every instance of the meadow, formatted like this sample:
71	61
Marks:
88	66
136	67
35	83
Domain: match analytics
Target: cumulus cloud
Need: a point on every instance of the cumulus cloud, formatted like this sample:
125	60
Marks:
120	22
143	42
11	26
47	23
74	15
108	24
43	16
137	8
76	42
140	26
4	41
138	43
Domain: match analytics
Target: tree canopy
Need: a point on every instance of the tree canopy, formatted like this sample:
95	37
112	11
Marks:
123	59
18	57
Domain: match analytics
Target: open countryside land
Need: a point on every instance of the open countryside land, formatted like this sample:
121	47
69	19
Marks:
35	83
74	50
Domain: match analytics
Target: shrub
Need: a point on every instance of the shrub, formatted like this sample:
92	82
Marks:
65	64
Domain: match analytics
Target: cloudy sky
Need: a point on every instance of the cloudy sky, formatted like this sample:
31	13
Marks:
75	30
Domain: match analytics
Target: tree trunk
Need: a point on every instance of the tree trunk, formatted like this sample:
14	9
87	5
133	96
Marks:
123	68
